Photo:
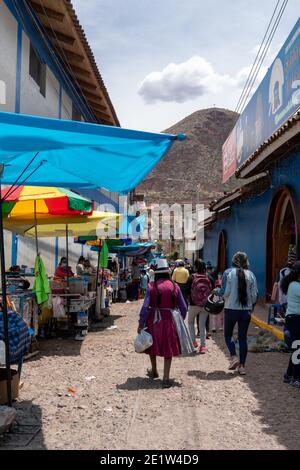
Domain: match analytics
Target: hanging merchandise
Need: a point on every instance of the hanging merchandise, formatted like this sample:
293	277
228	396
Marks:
2	352
41	286
58	307
39	150
19	336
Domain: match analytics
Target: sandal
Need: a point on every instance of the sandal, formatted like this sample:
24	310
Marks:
167	384
150	374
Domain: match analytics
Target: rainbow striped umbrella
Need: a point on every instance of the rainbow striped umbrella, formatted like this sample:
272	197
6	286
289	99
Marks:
42	202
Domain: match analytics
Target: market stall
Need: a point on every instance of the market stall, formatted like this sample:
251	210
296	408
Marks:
38	151
73	299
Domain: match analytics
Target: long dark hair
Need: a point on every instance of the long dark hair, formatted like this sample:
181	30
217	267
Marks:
293	276
240	262
200	266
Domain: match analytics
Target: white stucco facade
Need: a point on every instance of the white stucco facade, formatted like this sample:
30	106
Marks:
31	102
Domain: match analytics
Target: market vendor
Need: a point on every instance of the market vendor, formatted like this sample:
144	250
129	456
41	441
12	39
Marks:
63	270
88	268
80	266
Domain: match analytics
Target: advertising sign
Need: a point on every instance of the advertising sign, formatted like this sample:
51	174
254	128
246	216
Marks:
276	99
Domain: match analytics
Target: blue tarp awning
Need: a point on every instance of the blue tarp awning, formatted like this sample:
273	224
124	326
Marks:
77	154
134	249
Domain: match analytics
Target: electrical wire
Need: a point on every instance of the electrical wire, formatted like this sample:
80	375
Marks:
257	66
256	58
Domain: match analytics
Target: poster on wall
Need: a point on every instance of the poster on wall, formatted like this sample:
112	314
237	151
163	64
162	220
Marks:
276	100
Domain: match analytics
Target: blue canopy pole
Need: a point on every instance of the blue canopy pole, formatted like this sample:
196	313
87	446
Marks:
4	305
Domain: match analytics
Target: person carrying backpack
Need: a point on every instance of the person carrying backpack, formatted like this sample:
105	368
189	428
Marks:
200	288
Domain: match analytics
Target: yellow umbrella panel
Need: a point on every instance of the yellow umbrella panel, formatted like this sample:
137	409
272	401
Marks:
101	224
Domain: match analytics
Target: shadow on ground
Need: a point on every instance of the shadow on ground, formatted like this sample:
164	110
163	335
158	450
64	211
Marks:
27	432
68	346
57	347
140	383
216	375
278	403
107	322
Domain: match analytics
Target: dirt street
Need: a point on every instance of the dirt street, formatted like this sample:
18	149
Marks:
94	395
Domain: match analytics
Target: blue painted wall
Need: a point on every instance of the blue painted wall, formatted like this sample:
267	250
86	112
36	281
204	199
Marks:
246	227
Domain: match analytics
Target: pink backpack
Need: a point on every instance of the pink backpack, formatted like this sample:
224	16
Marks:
201	289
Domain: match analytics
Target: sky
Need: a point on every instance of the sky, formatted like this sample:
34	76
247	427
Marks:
162	60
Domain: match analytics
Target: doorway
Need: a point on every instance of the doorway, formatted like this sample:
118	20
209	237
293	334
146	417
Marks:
222	258
282	232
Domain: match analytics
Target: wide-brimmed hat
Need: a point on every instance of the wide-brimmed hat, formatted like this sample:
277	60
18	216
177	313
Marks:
161	266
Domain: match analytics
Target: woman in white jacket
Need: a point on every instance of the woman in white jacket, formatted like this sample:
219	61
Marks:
239	288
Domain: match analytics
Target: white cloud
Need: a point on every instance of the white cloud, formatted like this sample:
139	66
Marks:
182	82
243	74
194	78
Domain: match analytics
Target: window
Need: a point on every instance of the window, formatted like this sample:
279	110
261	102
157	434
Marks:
37	70
76	116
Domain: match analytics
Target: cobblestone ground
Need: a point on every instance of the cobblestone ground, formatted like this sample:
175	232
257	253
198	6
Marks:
94	395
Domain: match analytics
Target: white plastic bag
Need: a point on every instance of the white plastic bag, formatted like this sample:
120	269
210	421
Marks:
186	344
58	308
2	352
143	341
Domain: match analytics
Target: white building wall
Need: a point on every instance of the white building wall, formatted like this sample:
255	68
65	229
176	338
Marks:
32	102
66	109
8	53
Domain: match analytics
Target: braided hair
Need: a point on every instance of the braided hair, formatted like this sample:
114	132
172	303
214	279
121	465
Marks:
240	262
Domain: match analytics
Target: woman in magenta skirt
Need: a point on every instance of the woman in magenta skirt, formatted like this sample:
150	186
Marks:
156	314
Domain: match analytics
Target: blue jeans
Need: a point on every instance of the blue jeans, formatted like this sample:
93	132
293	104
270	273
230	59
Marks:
242	318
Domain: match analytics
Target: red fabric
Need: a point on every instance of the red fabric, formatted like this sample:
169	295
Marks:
14	195
59	206
165	338
62	272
